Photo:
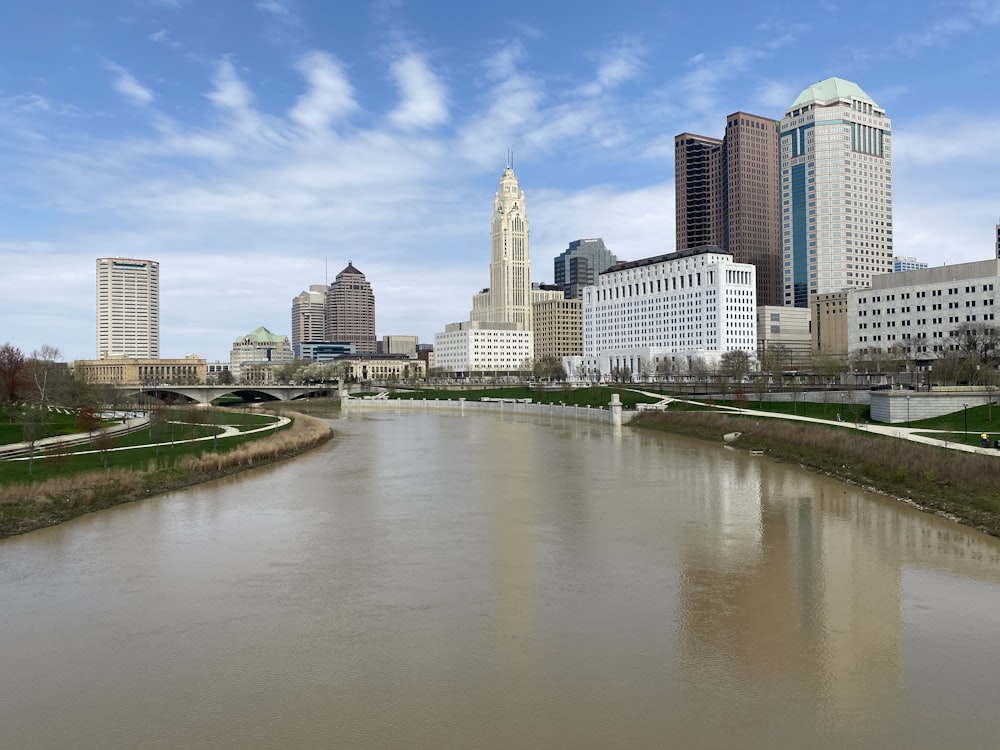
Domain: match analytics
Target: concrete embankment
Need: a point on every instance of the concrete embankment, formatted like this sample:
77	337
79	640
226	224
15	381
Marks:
496	406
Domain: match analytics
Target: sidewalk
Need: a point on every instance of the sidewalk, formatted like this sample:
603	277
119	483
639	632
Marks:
12	452
903	433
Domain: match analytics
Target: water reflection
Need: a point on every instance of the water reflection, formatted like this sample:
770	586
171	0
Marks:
450	581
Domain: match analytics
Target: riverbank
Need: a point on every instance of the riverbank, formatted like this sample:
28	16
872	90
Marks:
961	486
27	507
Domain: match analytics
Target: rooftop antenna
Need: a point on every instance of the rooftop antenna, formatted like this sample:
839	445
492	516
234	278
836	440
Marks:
510	159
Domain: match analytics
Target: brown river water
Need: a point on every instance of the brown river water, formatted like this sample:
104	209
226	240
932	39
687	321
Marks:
439	581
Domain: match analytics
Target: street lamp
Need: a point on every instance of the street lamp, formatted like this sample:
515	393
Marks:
965	410
907	410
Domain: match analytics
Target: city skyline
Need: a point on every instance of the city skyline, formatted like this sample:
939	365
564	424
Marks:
243	144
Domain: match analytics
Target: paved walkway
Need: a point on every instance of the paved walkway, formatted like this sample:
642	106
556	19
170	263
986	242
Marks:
130	424
904	433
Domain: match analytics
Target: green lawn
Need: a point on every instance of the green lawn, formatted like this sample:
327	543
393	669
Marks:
980	418
12	429
593	396
74	460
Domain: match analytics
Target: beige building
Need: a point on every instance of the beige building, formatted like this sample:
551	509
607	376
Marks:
829	331
254	355
787	329
128	308
558	328
382	367
398	345
497	338
508	297
309	315
126	371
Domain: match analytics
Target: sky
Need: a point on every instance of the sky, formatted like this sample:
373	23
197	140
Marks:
255	147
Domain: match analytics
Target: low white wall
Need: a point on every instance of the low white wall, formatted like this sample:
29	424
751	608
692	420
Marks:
891	407
462	406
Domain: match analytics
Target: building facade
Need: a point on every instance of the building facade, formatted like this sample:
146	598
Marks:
906	263
497	339
728	195
475	349
322	351
829	330
579	265
921	313
677	313
254	356
128	308
508	298
836	191
558	328
396	344
350	310
309	315
382	367
191	370
785	331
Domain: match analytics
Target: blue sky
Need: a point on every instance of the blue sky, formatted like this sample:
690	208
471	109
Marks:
249	145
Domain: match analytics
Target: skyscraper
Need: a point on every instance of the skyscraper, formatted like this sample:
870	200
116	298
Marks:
309	315
128	308
508	298
727	195
350	310
498	337
836	191
579	264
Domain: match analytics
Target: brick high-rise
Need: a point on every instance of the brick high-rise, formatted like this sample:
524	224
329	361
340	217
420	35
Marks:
350	310
728	195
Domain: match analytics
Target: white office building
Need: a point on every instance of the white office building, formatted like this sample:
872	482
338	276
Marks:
128	308
922	312
836	191
686	308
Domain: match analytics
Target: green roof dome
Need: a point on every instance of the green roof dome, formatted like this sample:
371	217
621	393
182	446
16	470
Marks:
831	90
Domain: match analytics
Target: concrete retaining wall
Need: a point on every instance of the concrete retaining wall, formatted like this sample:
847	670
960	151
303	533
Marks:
461	406
891	407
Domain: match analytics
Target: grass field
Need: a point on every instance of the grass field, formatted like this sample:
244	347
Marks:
75	460
593	396
12	428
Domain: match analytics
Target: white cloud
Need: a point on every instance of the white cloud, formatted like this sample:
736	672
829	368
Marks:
329	97
617	64
25	103
424	99
168	4
947	138
127	85
280	10
972	18
773	96
162	36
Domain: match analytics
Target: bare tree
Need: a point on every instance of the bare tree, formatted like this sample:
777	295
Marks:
12	373
42	366
735	364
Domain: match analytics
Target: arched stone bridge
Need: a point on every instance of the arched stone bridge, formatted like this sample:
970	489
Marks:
205	394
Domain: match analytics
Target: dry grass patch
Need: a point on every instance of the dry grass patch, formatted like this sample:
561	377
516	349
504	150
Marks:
25	507
961	485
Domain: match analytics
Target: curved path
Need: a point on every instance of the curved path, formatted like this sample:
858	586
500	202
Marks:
913	434
133	424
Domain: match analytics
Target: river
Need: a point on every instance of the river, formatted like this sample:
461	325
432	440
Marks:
439	581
